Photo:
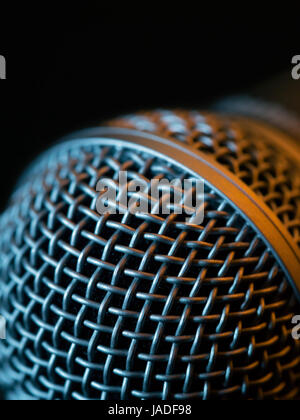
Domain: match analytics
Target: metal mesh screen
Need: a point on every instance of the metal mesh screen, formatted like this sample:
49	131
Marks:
137	306
264	168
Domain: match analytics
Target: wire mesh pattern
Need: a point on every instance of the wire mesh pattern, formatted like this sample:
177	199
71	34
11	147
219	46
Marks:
137	306
261	166
273	113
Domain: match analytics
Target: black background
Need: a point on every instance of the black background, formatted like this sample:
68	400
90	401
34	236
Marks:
66	71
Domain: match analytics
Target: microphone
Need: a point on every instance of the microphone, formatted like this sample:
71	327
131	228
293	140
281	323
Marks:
142	306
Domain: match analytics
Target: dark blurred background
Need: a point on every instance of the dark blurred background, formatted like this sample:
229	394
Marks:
66	72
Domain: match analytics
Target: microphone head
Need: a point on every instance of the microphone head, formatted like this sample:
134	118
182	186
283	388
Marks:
134	305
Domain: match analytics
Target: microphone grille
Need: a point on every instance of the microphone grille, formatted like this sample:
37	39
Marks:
246	151
146	306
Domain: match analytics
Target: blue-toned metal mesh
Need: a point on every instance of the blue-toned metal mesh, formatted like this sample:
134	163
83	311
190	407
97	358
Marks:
137	306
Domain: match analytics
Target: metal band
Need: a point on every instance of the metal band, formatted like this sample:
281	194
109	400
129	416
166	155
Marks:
268	227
